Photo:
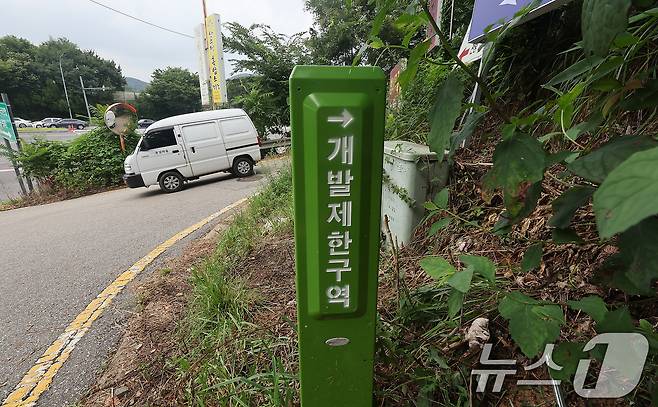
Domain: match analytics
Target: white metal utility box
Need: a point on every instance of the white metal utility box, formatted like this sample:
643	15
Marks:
412	175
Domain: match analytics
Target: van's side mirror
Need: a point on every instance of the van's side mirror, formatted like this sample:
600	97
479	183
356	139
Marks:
144	146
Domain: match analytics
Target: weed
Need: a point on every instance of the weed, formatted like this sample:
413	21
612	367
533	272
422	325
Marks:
233	360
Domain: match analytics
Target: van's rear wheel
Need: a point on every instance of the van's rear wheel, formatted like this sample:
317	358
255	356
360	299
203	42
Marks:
171	182
243	167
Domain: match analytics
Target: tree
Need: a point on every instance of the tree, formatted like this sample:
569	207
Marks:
271	58
342	31
172	91
30	75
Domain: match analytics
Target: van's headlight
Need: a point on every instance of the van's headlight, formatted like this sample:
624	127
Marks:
128	169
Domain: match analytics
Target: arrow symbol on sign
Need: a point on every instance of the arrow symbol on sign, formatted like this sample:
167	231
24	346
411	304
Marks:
508	3
345	119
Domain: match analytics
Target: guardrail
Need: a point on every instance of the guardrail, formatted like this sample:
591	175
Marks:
268	145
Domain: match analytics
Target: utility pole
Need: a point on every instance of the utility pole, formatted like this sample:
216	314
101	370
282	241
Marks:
66	93
452	17
84	94
5	100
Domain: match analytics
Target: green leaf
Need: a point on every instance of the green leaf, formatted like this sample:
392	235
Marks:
565	207
612	64
518	163
455	302
602	21
532	324
445	112
566	236
607	84
625	40
409	24
480	265
514	302
647	330
612	273
628	194
439	225
532	257
638	247
560	157
596	165
566	109
437	267
592	306
380	17
575	70
376	43
441	198
508	131
430	206
617	321
567	355
415	57
466	131
643	98
461	280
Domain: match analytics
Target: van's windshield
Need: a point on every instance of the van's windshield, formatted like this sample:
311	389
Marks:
157	139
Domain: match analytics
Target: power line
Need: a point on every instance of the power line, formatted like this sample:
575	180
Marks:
140	20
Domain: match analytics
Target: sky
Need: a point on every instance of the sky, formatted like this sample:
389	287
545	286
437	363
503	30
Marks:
136	47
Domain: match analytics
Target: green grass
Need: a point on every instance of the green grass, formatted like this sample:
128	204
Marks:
10	204
228	359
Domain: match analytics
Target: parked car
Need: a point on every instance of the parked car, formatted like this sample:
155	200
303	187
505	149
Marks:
47	122
144	123
65	123
22	123
186	147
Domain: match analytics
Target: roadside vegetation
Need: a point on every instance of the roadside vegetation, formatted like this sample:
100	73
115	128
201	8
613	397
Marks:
67	169
545	233
235	357
547	226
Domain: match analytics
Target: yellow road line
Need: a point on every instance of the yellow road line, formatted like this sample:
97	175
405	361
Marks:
37	380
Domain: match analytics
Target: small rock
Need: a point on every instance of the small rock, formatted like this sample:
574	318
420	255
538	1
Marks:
120	390
478	333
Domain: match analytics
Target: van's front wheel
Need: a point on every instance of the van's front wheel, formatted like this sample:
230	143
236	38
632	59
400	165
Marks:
171	182
243	167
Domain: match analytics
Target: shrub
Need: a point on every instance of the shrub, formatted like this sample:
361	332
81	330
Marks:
40	158
93	160
408	119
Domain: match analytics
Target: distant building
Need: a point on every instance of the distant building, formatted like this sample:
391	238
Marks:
126	95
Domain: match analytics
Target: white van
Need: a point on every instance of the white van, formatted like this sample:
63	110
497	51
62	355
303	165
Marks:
182	148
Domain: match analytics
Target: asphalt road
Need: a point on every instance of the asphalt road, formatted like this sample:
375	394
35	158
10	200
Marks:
9	187
56	258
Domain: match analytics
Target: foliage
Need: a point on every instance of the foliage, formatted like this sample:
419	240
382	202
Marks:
40	159
447	108
607	82
172	91
224	365
91	161
407	119
30	75
270	57
342	31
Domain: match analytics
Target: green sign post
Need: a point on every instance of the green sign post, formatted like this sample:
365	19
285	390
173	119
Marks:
337	116
6	126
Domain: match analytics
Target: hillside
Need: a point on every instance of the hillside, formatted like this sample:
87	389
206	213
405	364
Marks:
136	85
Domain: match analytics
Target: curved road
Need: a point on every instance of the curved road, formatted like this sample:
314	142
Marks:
55	259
